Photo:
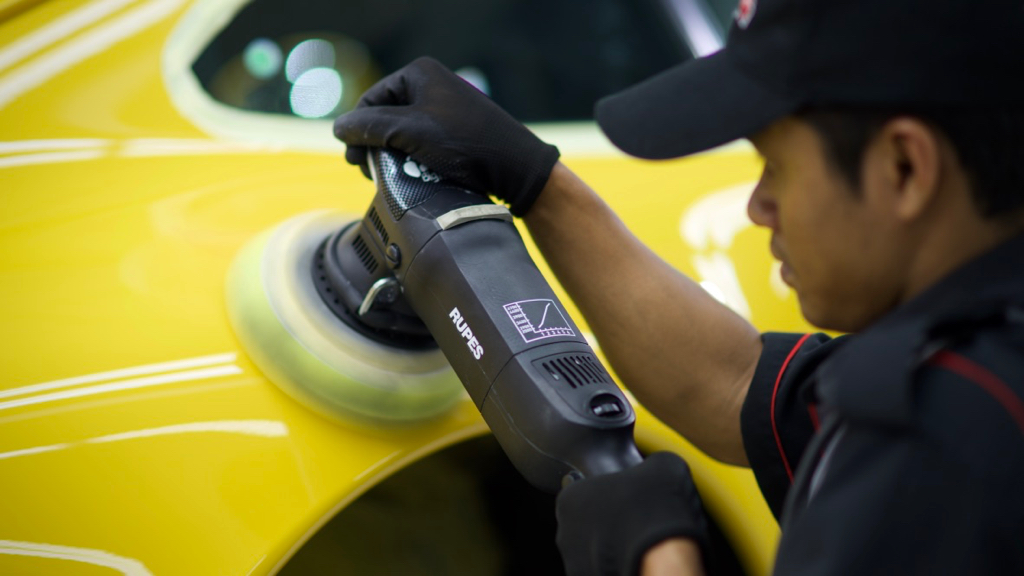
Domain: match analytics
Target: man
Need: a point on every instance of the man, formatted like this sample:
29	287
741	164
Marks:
893	138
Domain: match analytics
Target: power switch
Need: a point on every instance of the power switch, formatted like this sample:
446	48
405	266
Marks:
606	406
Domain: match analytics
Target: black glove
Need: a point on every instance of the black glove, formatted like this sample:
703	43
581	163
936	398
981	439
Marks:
607	523
442	121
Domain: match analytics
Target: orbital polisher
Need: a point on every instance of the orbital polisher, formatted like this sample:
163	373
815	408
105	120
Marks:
373	312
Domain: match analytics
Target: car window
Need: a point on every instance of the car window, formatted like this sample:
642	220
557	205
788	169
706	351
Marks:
542	60
723	11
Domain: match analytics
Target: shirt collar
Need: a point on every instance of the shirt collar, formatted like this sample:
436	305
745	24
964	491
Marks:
869	376
995	278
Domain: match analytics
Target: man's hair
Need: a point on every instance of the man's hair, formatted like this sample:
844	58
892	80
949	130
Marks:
988	142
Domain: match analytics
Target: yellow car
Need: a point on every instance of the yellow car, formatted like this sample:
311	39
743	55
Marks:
145	143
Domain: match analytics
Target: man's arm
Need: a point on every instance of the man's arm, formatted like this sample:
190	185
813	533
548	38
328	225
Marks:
685	356
674	557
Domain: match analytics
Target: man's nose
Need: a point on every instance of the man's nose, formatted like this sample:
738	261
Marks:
762	209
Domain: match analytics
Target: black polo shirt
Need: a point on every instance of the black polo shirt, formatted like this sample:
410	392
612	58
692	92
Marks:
900	450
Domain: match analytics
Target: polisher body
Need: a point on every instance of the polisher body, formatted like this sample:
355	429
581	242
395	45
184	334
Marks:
456	262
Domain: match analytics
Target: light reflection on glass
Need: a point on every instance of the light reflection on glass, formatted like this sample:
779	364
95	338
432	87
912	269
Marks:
307	55
263	58
316	93
476	77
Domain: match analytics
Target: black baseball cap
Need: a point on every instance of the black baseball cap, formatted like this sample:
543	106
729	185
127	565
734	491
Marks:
783	55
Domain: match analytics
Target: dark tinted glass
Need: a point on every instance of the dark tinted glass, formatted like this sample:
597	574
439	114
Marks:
542	60
723	11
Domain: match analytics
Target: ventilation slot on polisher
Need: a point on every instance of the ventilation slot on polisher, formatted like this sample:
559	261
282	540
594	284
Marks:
379	226
364	253
575	370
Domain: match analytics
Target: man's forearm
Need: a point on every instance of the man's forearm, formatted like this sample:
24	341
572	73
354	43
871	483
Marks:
673	557
684	355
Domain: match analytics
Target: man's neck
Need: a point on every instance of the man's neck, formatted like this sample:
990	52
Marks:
953	245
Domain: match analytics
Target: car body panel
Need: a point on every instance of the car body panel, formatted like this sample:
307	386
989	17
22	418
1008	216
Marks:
135	434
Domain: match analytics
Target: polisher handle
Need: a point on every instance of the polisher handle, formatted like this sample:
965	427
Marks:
539	385
466	272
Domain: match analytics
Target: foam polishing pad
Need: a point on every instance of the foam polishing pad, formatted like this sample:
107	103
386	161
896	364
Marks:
303	348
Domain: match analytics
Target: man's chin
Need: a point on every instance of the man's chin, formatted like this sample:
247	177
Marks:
832	317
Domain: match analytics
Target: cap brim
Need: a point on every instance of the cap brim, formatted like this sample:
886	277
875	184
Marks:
689	108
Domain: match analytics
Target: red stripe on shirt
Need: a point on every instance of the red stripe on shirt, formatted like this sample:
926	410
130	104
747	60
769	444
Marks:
984	378
775	392
812	411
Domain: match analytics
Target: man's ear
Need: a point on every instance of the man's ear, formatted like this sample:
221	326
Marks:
904	162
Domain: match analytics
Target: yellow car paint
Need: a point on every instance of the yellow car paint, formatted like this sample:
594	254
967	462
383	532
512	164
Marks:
135	435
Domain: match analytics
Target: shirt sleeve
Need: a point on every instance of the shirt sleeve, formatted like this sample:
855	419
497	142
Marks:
779	417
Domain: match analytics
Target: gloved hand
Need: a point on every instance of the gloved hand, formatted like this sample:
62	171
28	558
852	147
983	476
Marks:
442	121
607	523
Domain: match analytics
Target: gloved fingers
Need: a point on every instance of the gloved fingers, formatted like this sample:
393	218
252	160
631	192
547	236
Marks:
391	90
607	523
665	465
356	156
666	472
364	128
365	169
436	117
405	85
579	497
374	127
